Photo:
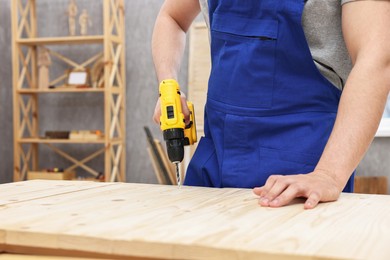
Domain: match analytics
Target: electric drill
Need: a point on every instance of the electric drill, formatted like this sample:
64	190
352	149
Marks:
176	133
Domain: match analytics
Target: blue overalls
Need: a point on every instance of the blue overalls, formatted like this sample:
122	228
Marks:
269	110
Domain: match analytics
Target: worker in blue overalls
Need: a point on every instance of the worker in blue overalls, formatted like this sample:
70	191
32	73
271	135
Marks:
275	118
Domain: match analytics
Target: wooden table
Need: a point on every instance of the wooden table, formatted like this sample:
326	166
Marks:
123	220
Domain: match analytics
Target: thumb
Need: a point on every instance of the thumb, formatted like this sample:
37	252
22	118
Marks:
312	201
257	191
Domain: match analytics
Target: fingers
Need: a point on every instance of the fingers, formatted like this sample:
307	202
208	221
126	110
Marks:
258	190
280	190
312	201
272	190
290	193
269	184
184	108
157	112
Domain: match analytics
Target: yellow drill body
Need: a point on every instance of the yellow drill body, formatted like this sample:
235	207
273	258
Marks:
172	123
171	111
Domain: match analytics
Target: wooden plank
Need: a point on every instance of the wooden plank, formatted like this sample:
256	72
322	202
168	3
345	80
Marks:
107	87
199	67
32	254
24	191
155	165
122	86
371	185
24	25
116	158
157	157
34	72
166	222
65	141
73	160
62	40
60	90
15	96
170	168
2	239
36	257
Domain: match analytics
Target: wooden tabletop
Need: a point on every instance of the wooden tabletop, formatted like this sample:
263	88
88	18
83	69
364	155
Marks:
122	220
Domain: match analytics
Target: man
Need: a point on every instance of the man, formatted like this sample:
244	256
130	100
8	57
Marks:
276	118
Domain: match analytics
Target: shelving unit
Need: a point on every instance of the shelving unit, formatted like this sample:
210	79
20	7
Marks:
25	43
62	40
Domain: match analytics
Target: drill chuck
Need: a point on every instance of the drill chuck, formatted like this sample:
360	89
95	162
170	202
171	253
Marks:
174	139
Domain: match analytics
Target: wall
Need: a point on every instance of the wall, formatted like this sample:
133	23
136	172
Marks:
58	111
6	151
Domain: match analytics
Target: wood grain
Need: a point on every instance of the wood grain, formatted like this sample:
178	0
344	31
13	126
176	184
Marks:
35	189
166	222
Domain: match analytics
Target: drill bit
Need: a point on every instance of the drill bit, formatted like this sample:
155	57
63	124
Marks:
178	174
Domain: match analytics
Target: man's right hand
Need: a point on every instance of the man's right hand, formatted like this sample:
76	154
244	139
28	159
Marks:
168	43
184	107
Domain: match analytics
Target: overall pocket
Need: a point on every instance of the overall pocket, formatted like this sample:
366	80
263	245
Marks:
243	60
203	169
283	162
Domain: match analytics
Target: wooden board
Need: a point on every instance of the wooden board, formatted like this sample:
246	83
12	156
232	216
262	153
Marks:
141	220
171	169
161	165
36	257
371	185
25	191
199	67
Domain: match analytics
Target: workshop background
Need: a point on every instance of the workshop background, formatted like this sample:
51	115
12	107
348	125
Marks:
66	111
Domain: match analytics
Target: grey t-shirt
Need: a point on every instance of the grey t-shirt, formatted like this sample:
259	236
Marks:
321	21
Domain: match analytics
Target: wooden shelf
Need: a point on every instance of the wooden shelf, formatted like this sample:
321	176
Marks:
66	141
60	141
61	90
97	39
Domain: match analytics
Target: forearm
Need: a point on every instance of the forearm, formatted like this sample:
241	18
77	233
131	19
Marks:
358	116
364	96
168	45
169	36
360	110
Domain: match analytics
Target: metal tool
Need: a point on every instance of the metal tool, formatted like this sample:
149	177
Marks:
176	133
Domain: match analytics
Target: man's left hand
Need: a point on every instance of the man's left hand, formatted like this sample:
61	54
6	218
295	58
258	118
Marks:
280	190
